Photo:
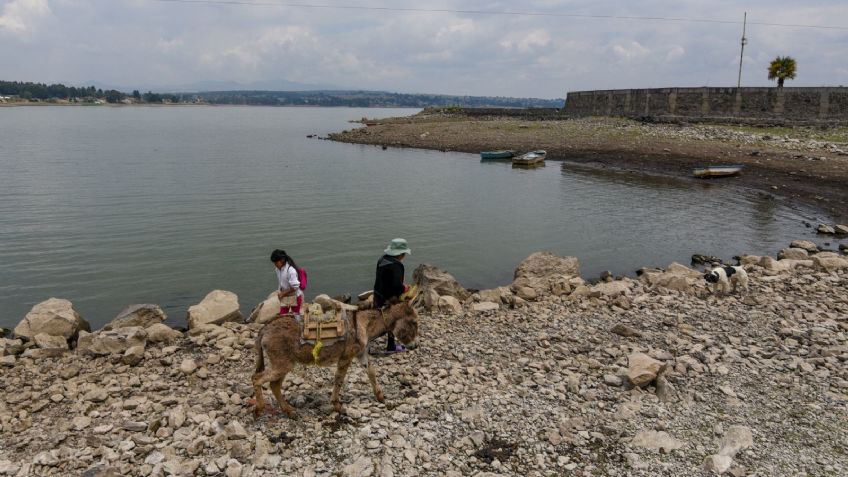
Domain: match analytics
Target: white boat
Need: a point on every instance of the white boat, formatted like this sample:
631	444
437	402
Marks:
530	159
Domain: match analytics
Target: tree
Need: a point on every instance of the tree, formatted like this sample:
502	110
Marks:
136	95
781	68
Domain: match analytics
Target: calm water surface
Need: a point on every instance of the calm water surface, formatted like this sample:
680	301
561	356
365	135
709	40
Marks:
112	206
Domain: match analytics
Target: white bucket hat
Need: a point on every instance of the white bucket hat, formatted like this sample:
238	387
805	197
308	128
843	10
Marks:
397	247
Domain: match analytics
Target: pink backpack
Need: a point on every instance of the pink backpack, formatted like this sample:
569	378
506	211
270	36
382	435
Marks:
301	277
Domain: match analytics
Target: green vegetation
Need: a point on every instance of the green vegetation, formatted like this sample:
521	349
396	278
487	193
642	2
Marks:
26	91
781	68
370	99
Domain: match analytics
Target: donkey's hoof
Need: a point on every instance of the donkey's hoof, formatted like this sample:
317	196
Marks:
380	397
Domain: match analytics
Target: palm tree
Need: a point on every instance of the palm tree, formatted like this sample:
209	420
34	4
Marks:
781	68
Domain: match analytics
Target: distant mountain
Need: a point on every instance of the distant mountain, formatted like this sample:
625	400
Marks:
370	99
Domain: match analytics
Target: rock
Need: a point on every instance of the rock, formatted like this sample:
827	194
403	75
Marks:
484	306
829	264
188	366
218	307
328	304
431	279
266	310
676	277
9	346
235	430
144	316
43	340
496	295
116	341
81	422
450	305
546	264
654	440
793	253
133	355
736	438
717	464
162	333
841	229
8	361
614	288
55	317
361	467
643	369
612	380
805	244
8	467
825	229
773	265
626	331
526	293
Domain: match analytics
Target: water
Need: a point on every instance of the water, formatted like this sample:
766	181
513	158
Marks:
112	206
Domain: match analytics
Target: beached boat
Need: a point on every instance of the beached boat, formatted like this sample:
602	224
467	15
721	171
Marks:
505	154
708	172
530	159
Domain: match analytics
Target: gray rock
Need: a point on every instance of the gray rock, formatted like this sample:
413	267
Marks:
144	315
116	341
216	308
55	317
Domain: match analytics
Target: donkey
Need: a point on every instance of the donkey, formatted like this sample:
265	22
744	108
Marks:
280	340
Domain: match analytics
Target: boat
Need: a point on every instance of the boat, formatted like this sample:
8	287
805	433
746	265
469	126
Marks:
489	155
530	159
708	172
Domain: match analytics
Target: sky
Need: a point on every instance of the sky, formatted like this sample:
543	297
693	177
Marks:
139	43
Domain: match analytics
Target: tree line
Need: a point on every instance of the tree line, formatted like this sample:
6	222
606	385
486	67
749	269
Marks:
45	92
370	99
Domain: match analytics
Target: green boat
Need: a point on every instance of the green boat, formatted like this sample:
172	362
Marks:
488	155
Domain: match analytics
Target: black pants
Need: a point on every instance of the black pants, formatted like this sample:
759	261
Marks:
390	341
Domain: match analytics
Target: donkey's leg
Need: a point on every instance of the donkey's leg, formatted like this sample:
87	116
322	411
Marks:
276	388
259	380
372	376
338	383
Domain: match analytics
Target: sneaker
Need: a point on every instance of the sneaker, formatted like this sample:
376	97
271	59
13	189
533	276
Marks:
398	349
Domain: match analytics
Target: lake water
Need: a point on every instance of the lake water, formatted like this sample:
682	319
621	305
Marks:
108	206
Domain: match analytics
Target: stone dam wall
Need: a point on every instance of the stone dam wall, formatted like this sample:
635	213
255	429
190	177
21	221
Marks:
789	104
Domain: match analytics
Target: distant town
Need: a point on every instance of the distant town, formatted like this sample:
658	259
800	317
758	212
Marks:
16	92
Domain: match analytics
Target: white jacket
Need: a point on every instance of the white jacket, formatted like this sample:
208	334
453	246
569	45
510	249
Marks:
287	279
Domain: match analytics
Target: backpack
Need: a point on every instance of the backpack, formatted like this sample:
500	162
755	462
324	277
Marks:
301	277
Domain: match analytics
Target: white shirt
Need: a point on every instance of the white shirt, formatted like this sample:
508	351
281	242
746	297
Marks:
287	279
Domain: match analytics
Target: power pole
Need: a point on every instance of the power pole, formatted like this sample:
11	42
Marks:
742	53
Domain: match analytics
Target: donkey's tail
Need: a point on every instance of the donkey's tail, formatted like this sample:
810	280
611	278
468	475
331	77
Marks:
260	354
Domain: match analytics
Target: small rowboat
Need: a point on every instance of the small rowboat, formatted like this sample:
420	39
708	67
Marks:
530	159
708	172
488	155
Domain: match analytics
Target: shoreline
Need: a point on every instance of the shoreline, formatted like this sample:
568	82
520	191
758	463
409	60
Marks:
809	171
642	377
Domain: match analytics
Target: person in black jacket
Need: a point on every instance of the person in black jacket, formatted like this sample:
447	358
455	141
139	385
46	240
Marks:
388	285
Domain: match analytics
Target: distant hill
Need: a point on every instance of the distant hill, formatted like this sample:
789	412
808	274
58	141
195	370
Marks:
370	99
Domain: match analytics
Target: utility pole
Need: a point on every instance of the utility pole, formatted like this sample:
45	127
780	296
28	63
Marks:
742	53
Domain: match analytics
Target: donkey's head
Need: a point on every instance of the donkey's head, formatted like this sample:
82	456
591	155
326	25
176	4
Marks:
404	322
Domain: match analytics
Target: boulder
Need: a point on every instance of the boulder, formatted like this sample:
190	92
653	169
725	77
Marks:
11	347
266	311
717	464
434	283
218	307
773	265
55	317
162	333
676	277
133	355
328	304
642	369
45	341
547	265
615	288
841	229
496	295
111	342
747	260
449	305
485	306
793	254
656	440
736	438
144	315
825	229
805	244
829	264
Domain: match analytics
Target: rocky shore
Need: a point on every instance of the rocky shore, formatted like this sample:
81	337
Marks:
801	164
549	375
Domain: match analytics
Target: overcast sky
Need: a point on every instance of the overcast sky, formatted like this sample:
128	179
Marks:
147	42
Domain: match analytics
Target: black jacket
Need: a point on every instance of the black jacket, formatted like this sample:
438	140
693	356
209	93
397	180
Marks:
389	281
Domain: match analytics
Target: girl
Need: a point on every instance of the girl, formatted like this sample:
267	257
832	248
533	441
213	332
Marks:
288	288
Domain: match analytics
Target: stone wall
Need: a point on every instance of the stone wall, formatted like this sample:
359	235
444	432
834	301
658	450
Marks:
797	104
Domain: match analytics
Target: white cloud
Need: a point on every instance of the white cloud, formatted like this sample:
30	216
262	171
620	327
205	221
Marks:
675	53
19	15
630	51
526	41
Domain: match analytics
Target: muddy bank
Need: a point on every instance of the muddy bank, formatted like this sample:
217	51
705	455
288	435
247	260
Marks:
800	164
546	376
